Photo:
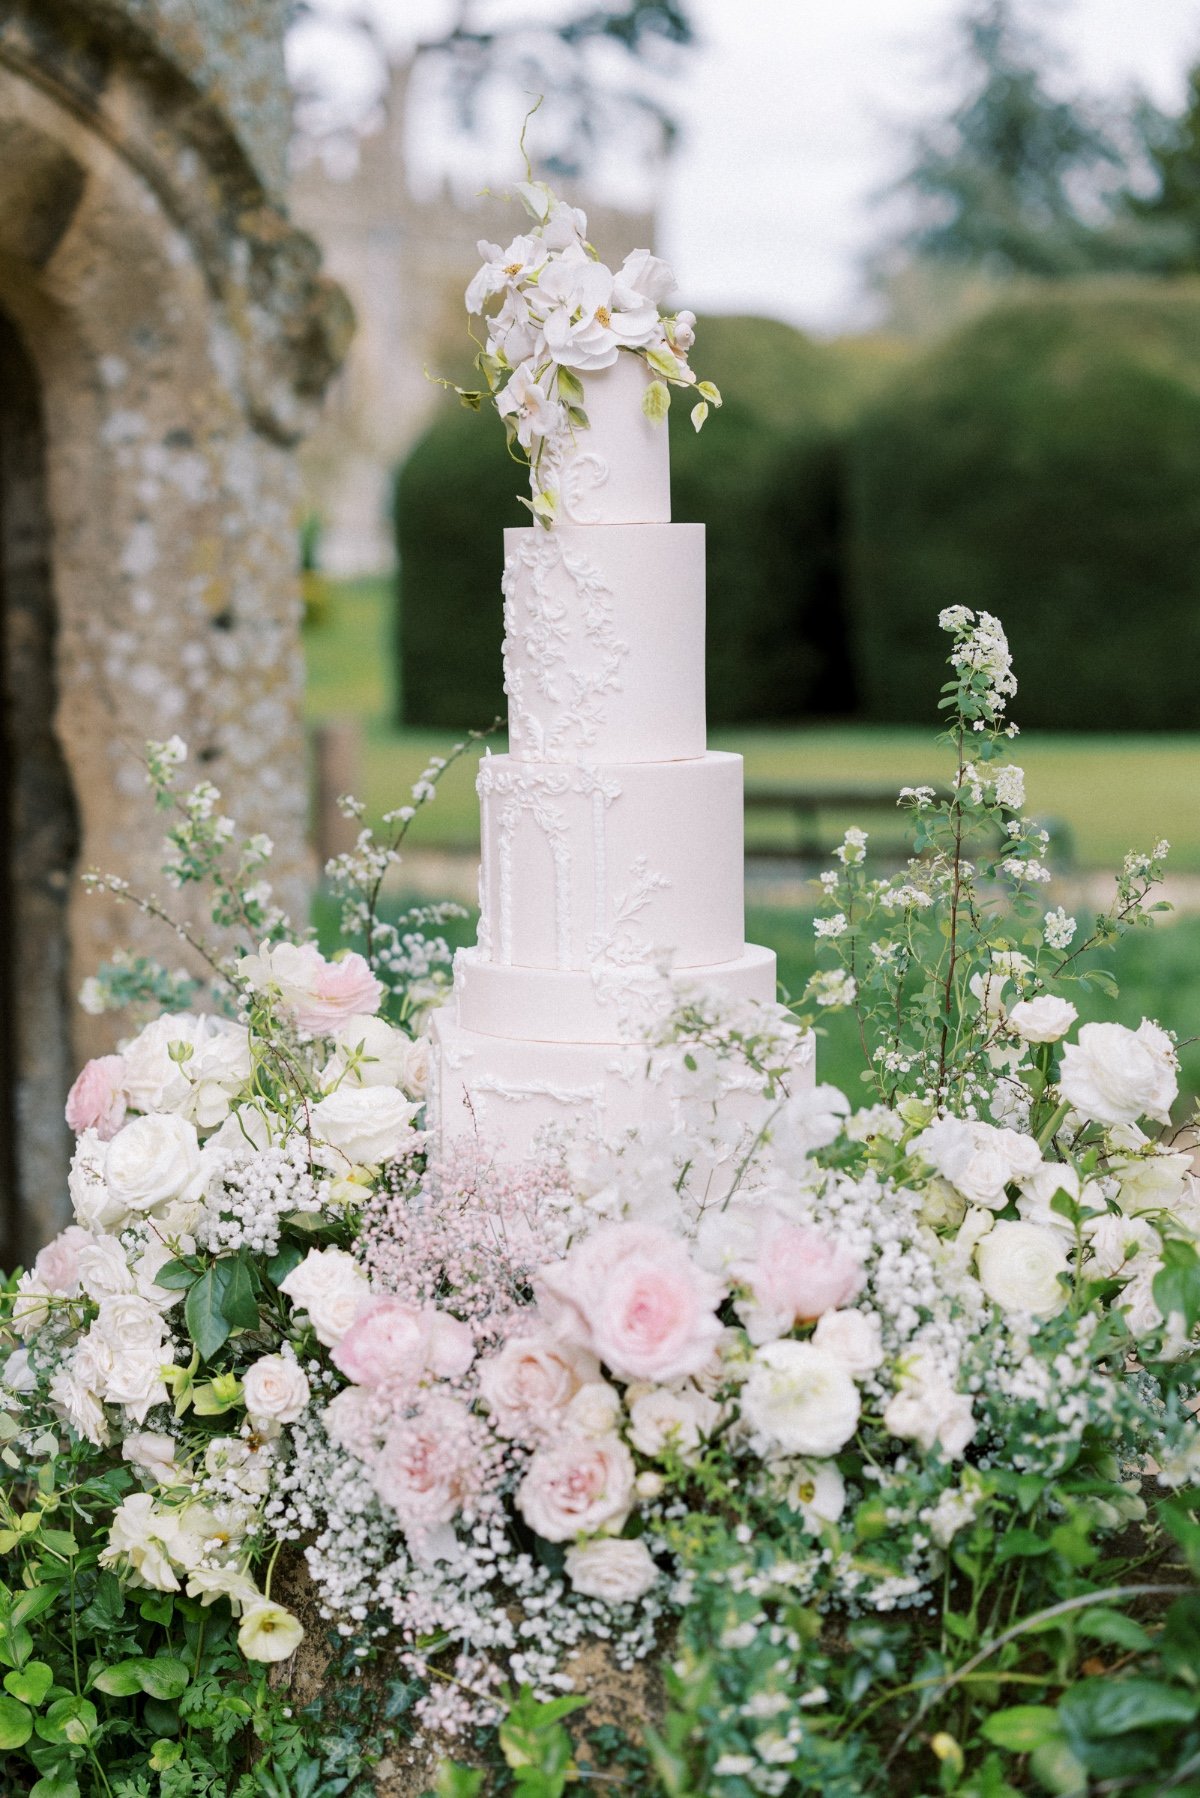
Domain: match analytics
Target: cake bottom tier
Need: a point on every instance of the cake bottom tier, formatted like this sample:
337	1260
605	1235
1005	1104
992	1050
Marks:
603	1004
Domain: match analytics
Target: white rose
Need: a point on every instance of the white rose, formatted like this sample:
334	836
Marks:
268	1632
1155	1181
332	1287
188	1064
531	1380
1042	1020
853	1338
128	1322
361	1126
275	1388
800	1399
1116	1242
594	1410
80	1405
17	1374
135	1381
1115	1076
927	1410
369	1051
979	1160
1041	1188
217	1071
1019	1265
816	1491
662	1420
153	1452
611	1568
104	1269
151	1161
152	1080
811	1119
91	1201
31	1304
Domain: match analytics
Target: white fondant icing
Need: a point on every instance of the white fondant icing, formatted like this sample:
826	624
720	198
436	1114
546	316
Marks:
607	1003
604	642
618	470
616	863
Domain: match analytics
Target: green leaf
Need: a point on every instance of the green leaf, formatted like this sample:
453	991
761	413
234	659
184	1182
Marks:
69	1720
30	1683
1057	1770
164	1754
664	363
1111	1707
1020	1545
60	1542
55	1785
204	1311
570	387
119	1681
288	1256
1106	1625
457	1782
16	1646
656	401
239	1307
176	1276
1177	1285
1023	1727
16	1724
163	1677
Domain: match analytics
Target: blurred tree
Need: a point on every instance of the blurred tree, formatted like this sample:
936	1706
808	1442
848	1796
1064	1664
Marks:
1170	214
1015	180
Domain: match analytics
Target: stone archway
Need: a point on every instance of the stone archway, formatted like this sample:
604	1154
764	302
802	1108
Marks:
39	829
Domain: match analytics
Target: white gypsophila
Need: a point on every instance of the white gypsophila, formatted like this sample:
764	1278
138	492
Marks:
853	1338
800	1400
153	1160
247	1203
1115	1076
332	1288
1058	930
1019	1267
1042	1020
361	1126
611	1569
979	1160
274	1389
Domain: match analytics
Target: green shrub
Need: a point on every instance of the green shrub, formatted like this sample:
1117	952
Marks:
1043	464
763	476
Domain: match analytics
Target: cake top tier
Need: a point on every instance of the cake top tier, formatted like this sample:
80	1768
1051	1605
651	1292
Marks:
580	361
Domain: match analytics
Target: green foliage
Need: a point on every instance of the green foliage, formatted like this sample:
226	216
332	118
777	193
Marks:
1045	462
1169	216
763	477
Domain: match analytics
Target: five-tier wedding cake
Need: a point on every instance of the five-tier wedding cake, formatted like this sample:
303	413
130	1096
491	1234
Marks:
611	845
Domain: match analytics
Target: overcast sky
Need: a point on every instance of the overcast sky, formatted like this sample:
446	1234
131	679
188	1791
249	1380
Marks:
792	112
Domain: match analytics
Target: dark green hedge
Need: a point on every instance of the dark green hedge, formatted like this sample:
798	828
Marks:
763	476
1044	464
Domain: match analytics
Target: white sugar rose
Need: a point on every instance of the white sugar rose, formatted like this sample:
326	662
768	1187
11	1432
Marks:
274	1389
577	1487
332	1287
1042	1020
611	1569
361	1126
268	1632
801	1399
1115	1076
853	1339
152	1161
1019	1266
153	1452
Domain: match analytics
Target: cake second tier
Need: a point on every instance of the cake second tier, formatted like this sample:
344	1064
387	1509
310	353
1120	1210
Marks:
622	863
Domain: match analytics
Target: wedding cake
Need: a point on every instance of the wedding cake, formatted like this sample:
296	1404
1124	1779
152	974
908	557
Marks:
611	876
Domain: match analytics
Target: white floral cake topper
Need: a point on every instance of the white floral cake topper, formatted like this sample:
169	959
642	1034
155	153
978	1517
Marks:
563	314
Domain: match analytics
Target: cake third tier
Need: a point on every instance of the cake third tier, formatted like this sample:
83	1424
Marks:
619	863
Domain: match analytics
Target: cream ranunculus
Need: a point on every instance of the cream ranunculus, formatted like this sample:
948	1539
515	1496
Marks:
1019	1266
1042	1020
361	1126
800	1398
332	1287
612	1569
1115	1076
152	1161
268	1632
275	1389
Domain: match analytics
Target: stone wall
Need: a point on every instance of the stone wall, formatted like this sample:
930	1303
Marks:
182	336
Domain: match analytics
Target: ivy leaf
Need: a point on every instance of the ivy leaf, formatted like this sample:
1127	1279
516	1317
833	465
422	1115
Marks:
30	1683
204	1310
239	1307
16	1724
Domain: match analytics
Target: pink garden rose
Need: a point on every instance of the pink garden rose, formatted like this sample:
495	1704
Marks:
391	1340
577	1487
424	1467
795	1276
97	1099
633	1296
532	1380
319	994
57	1265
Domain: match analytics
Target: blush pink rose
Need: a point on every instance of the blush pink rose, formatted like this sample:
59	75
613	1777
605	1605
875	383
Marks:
577	1487
532	1380
391	1340
319	994
632	1295
423	1470
97	1099
796	1276
57	1265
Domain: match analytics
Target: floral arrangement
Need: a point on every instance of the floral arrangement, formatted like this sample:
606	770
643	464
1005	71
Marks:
874	1424
554	312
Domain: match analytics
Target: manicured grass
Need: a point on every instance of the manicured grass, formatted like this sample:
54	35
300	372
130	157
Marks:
1113	793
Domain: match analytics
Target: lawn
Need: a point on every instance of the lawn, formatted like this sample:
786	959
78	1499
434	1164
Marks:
1111	792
